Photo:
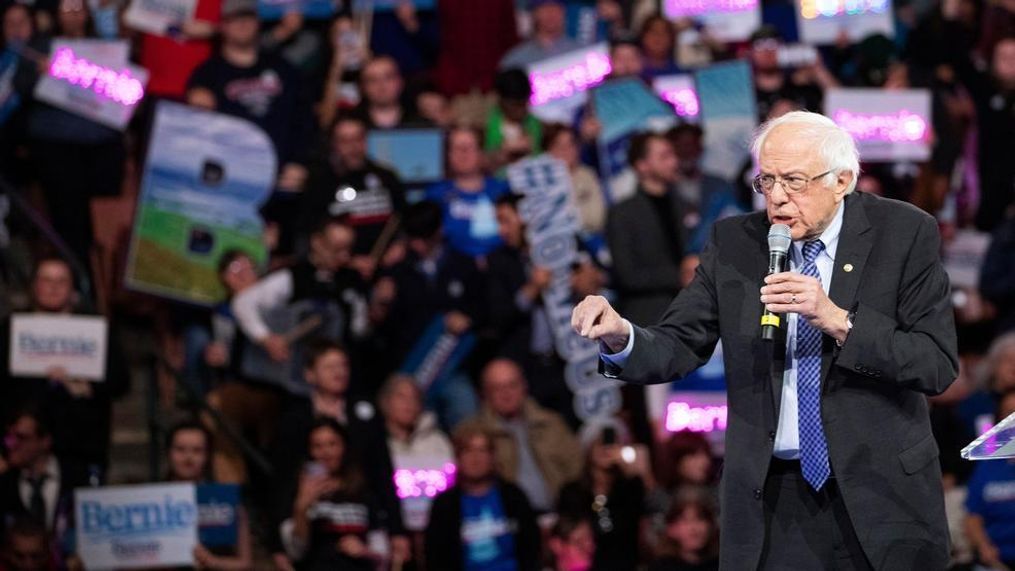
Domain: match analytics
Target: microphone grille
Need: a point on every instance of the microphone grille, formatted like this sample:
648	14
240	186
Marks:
779	238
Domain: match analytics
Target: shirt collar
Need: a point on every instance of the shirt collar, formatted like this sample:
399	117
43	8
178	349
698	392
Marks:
830	237
52	471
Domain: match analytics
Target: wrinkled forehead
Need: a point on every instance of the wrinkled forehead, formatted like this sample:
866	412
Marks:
788	148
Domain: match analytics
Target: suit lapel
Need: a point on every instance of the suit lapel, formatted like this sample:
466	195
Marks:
855	242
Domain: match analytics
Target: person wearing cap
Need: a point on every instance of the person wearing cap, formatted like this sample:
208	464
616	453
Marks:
549	36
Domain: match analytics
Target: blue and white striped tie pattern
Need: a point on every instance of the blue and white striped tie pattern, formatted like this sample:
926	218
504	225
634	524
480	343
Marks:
813	446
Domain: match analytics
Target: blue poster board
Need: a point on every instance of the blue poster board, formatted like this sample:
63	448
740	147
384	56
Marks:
217	509
416	155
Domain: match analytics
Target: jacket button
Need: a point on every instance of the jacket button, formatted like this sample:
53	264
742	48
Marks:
757	493
771	435
858	367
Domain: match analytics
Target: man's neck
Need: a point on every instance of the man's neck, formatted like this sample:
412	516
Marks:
477	487
240	56
39	467
653	187
330	404
470	182
545	40
398	431
386	116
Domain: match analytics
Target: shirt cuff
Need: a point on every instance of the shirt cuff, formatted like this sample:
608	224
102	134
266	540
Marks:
618	360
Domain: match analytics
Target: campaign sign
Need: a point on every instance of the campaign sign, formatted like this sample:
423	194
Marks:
93	79
726	20
74	343
418	480
158	16
416	155
136	527
217	508
728	115
821	21
205	178
437	354
390	5
552	225
625	107
560	83
678	91
270	10
887	125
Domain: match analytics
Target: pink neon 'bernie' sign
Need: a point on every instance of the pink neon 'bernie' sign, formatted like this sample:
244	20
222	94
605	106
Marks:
683	416
120	86
899	127
570	80
811	9
428	483
688	8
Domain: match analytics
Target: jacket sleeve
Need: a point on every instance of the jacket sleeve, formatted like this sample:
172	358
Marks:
916	348
685	337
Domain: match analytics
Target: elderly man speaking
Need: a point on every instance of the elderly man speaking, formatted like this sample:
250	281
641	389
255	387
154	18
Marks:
830	461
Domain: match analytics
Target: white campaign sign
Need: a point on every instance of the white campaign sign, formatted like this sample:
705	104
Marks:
93	79
136	527
821	22
75	343
157	16
560	84
887	125
726	20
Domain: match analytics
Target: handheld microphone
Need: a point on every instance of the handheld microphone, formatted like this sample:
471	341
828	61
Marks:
778	248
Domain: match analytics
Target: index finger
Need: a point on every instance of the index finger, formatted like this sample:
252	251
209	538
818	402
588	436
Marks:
784	277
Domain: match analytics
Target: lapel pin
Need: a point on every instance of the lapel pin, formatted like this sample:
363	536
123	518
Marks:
848	268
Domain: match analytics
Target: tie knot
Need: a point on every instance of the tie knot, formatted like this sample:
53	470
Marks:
811	250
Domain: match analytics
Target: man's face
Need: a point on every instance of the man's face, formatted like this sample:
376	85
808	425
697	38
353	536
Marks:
475	459
330	373
27	553
548	19
17	25
625	61
239	275
349	143
688	147
509	225
465	156
660	162
332	247
504	388
25	446
565	148
382	84
53	286
1004	63
240	30
765	54
808	212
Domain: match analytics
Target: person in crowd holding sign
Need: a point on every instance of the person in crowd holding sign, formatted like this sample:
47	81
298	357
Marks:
990	503
257	86
533	446
334	509
348	183
512	132
84	407
189	449
382	98
417	445
327	372
549	35
36	483
658	40
27	547
91	155
432	282
610	493
468	195
776	86
483	523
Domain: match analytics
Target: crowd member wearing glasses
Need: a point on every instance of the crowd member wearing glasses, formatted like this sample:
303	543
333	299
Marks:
830	459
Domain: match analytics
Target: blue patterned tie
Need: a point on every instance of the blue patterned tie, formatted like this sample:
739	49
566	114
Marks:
813	446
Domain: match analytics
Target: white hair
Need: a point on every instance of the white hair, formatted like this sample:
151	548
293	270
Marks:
834	144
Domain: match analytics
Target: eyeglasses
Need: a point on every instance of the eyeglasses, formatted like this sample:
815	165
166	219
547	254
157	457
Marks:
764	183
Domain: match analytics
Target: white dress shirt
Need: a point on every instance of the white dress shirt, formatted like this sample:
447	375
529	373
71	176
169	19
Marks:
787	438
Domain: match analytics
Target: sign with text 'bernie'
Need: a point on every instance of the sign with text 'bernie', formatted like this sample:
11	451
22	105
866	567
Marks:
887	125
560	84
75	343
217	510
136	527
678	91
822	21
726	20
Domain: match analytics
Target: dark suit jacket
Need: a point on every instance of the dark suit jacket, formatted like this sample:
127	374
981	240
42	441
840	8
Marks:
644	271
12	507
874	408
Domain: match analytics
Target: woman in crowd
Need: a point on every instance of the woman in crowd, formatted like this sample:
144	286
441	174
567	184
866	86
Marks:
468	195
333	511
418	447
189	447
690	541
559	141
684	461
658	39
610	493
572	545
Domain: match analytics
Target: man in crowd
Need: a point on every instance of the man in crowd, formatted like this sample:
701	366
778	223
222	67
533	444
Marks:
351	184
808	483
382	105
646	232
27	547
533	447
549	35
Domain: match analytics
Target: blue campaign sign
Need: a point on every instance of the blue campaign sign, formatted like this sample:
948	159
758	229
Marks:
728	115
437	354
206	176
417	155
270	10
217	508
389	5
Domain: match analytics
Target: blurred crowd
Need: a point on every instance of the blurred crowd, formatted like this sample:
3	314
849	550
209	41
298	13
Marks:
493	466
